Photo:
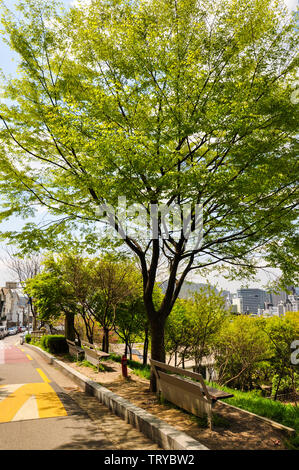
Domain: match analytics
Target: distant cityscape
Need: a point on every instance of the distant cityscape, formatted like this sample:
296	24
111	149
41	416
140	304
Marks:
15	306
250	300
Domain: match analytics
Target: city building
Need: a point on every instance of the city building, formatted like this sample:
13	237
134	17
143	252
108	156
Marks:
249	301
14	306
282	302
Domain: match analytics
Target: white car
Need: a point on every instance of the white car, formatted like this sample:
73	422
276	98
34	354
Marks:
3	332
12	331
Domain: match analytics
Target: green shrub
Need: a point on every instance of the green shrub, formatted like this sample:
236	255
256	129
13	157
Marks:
285	384
286	414
28	338
55	344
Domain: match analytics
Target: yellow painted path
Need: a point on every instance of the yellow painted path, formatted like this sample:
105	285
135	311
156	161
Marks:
24	401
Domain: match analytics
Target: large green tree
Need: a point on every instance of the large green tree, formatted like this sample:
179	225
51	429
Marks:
173	101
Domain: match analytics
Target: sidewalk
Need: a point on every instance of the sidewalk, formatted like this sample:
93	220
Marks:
158	431
119	435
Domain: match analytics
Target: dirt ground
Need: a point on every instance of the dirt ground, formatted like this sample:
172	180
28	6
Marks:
233	429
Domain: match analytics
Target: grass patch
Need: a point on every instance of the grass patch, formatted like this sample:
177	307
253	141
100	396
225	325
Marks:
285	414
136	367
288	415
86	363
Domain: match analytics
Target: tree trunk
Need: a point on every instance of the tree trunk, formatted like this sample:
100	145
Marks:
277	388
34	315
69	327
145	347
157	347
105	343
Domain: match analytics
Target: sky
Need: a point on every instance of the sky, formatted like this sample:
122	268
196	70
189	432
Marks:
8	65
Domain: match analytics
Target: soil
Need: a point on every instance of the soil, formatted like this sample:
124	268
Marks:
232	429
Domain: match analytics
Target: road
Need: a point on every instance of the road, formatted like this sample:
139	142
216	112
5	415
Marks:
42	409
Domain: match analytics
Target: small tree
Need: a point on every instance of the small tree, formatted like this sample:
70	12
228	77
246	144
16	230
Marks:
240	350
53	299
130	321
64	287
281	332
177	332
206	313
112	283
194	324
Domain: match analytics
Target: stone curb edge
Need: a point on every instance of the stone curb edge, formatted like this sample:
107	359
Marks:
157	430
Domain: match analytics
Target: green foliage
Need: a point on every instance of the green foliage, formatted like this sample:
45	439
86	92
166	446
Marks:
240	351
143	371
131	320
55	344
280	332
194	324
92	288
288	415
285	384
28	338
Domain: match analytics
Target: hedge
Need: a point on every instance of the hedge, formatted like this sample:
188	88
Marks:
54	343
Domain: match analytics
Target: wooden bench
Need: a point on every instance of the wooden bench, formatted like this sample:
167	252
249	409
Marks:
195	397
75	350
93	354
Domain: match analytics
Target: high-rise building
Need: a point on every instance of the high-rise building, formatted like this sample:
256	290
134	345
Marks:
251	300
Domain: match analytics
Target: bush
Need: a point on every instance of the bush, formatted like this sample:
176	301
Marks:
28	338
286	414
285	385
55	344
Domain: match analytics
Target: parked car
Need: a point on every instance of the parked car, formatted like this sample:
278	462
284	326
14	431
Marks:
13	330
3	332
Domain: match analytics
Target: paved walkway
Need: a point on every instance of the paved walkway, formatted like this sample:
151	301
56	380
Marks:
41	408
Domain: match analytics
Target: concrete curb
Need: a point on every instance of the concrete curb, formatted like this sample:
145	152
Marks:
274	424
157	430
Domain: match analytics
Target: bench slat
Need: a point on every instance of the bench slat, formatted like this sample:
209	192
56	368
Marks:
181	383
195	397
89	345
217	394
210	392
96	354
187	373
